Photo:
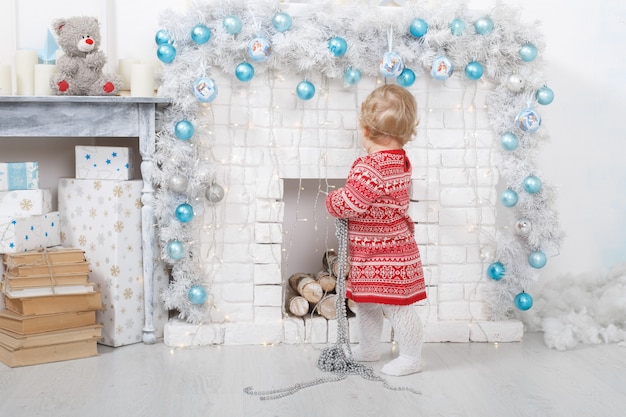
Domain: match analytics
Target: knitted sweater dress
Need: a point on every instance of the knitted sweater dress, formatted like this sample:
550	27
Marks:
385	264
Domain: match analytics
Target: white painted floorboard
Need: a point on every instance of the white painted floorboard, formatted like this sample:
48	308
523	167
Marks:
459	379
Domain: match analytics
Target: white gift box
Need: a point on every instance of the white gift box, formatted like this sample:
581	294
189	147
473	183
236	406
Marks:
19	234
25	202
19	176
104	163
104	219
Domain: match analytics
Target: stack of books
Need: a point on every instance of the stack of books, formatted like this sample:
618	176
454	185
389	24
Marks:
51	307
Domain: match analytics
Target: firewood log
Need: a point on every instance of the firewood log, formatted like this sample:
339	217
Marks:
298	306
327	281
330	261
306	285
327	307
328	257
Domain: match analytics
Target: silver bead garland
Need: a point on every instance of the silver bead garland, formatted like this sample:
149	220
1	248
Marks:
336	359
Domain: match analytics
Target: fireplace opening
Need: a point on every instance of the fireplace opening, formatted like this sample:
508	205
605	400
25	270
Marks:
309	252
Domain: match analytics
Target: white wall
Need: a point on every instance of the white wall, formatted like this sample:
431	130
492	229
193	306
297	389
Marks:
586	46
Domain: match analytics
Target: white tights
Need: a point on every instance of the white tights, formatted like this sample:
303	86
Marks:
407	329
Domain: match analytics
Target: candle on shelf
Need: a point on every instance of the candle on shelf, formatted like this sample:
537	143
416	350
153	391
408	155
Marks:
142	80
125	69
25	61
6	80
43	74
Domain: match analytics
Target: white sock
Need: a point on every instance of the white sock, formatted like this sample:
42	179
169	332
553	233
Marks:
365	355
402	365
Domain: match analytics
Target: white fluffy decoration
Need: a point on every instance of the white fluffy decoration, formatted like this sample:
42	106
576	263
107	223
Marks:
302	50
587	309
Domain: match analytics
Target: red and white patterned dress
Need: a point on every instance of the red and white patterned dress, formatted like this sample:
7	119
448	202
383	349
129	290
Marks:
385	264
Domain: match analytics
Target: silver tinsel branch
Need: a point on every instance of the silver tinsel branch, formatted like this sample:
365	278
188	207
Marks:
370	31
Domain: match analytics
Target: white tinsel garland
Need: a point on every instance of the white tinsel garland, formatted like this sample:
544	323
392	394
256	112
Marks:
370	31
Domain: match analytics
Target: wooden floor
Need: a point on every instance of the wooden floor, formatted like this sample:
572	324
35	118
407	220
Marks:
459	379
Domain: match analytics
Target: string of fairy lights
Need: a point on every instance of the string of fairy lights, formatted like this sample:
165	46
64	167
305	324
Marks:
313	42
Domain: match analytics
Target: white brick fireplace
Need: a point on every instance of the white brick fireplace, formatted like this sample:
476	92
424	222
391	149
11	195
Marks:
262	135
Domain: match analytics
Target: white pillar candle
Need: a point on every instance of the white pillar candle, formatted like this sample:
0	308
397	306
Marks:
6	80
43	74
25	61
125	68
142	80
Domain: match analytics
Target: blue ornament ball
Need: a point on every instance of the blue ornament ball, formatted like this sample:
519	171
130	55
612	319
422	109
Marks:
162	37
305	90
523	301
457	27
184	130
259	49
509	141
544	96
528	120
197	294
537	259
484	25
205	89
166	53
244	72
418	28
406	78
352	76
532	184
200	34
282	21
442	68
496	271
232	24
175	250
391	65
338	46
184	213
474	70
528	52
508	198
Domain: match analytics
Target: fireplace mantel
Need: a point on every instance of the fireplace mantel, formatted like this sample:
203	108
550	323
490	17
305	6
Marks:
89	116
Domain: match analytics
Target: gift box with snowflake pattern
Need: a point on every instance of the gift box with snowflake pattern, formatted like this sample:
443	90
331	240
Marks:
25	202
103	218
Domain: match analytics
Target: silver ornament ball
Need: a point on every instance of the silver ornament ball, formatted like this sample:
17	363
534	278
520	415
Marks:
215	193
523	227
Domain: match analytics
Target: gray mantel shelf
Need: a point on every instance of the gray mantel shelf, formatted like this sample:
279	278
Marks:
97	116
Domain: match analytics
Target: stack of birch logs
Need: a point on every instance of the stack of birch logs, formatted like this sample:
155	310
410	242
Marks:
315	293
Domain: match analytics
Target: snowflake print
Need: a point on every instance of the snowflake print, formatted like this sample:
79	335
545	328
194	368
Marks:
118	226
118	191
97	185
128	293
115	271
82	240
26	204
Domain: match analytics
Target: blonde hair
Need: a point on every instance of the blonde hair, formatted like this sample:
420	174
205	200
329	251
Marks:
390	110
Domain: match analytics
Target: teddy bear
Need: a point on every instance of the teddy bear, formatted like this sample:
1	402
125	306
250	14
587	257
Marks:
79	68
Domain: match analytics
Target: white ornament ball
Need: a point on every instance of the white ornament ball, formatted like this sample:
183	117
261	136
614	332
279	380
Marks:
177	183
515	83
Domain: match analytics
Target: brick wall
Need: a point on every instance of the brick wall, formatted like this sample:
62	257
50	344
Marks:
261	134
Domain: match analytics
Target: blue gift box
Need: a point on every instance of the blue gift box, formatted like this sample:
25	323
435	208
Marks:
19	176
